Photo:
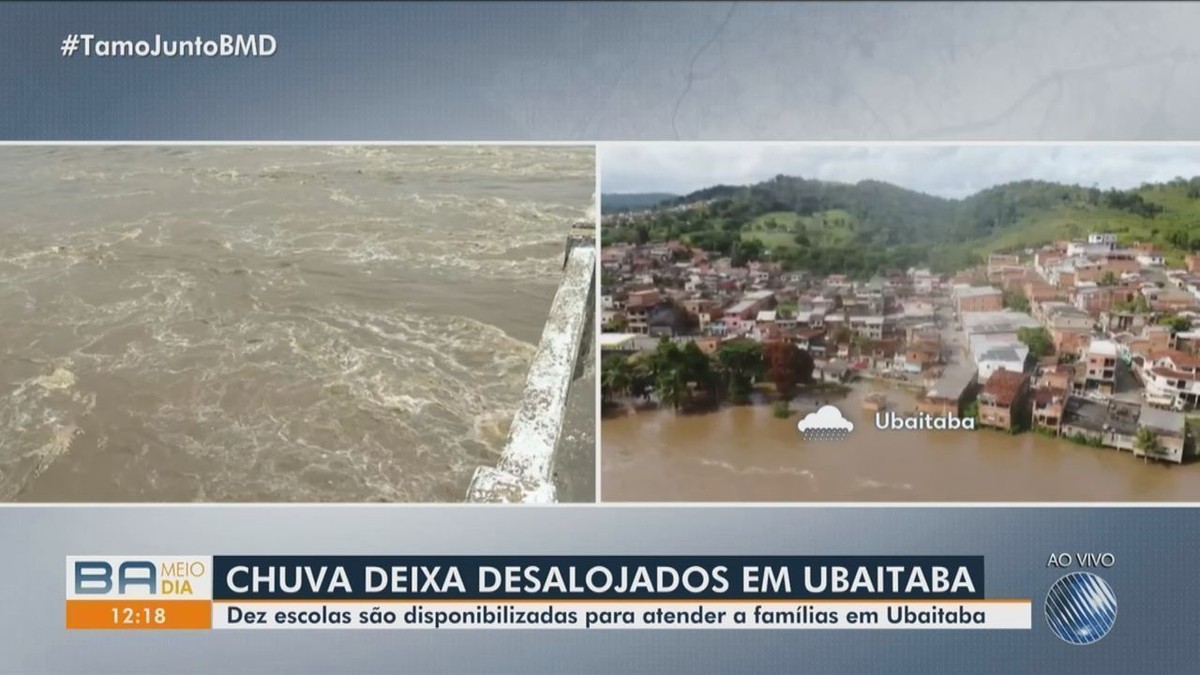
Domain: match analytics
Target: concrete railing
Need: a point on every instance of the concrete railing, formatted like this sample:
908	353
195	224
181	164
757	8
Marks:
525	472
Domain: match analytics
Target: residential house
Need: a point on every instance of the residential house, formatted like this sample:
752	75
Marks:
1159	338
1188	342
1151	258
1002	398
977	299
1048	403
1095	299
1070	328
1118	264
1170	431
921	356
924	282
1110	423
1116	321
638	307
811	340
766	326
740	317
1010	357
1172	379
1101	360
948	389
874	327
999	263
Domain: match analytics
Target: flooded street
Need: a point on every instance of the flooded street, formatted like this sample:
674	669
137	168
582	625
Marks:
746	454
275	323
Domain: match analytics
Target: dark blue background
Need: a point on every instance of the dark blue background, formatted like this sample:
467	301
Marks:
468	568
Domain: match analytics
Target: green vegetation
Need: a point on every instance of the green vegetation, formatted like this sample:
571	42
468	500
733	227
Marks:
781	409
1079	438
628	202
869	227
742	362
616	377
1016	300
1147	443
787	367
971	410
1039	341
685	377
1177	324
1043	430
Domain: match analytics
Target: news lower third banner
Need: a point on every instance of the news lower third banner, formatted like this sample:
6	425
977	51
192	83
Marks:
539	592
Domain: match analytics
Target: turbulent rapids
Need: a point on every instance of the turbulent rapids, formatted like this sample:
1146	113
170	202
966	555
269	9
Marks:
275	323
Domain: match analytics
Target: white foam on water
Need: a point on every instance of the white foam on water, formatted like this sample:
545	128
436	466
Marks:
872	484
61	378
756	470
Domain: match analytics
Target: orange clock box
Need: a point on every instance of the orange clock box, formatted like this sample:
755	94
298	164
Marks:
139	614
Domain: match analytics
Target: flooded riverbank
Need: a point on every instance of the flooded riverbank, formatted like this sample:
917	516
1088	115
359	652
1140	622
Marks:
747	454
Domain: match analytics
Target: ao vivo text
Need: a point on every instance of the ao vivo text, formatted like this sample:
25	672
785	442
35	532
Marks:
1085	560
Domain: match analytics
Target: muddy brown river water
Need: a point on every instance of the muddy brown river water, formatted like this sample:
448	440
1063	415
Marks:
276	323
746	454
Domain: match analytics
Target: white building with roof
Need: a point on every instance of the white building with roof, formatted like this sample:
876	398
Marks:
1010	357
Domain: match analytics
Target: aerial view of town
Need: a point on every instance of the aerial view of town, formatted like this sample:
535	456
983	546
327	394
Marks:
944	323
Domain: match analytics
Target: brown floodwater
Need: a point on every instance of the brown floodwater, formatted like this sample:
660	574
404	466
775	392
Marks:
747	454
317	324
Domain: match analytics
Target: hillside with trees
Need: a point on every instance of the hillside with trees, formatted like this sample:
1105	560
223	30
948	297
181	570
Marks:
866	227
632	202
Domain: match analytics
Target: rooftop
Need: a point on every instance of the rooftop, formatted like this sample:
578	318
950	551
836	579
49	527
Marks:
1003	386
975	291
1099	416
1164	421
955	379
1180	359
1006	321
1009	354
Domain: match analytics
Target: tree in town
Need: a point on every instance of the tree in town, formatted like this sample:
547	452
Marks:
1177	324
861	343
642	234
676	369
1039	341
741	361
670	376
1016	300
787	366
671	387
641	377
1147	443
616	377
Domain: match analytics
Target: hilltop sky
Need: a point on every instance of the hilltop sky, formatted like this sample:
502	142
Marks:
942	170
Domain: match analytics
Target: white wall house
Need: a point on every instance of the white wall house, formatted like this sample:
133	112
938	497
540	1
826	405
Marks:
1172	380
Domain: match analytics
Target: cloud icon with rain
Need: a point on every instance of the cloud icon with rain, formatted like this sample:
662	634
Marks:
826	424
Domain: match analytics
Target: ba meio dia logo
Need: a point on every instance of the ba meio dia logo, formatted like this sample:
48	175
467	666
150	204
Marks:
1081	608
